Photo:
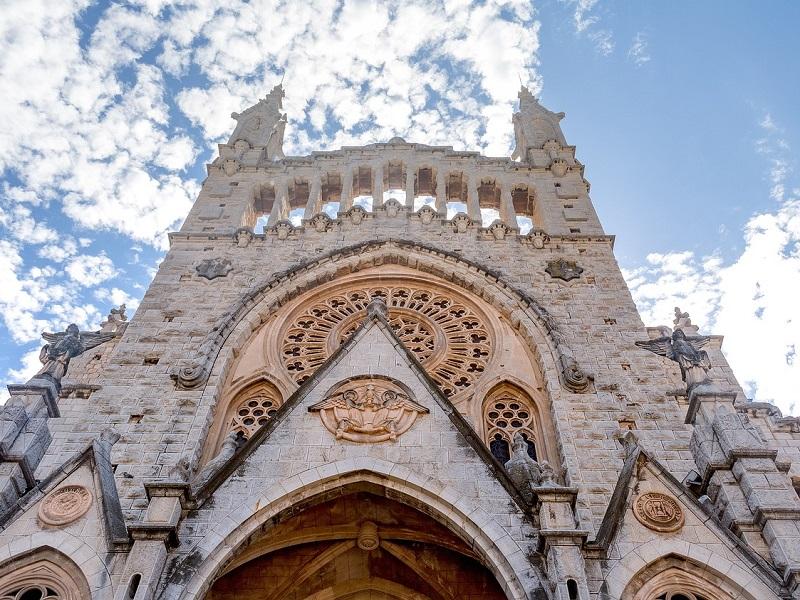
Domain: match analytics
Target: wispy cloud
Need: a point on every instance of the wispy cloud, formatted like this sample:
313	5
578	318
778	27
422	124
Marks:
638	52
587	22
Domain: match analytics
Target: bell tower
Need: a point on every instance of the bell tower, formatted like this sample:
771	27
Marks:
401	371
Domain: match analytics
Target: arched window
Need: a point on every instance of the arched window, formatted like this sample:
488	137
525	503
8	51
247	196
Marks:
251	408
42	575
244	412
508	411
677	578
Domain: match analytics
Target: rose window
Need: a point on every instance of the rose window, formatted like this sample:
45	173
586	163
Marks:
448	337
253	412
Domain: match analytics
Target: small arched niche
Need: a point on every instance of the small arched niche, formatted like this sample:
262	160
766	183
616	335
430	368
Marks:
243	411
42	574
509	410
677	578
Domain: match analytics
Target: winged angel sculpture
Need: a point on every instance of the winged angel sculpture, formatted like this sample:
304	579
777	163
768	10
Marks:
686	350
368	414
64	346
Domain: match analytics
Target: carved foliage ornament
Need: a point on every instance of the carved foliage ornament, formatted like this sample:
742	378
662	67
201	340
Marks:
65	505
658	512
563	269
371	410
211	268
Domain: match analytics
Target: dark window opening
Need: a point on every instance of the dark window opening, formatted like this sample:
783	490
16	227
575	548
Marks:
499	448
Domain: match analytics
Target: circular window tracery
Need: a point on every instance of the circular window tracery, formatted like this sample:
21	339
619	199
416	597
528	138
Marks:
31	592
448	337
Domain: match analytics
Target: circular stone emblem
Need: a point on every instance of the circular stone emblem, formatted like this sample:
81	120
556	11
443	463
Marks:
658	512
65	505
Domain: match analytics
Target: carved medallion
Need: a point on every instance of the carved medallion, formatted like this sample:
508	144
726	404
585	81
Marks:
564	269
658	512
369	410
65	505
211	268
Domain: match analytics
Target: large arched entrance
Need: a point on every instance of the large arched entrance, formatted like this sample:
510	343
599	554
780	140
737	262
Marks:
355	542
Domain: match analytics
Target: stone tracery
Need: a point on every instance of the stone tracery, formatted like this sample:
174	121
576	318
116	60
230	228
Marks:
447	336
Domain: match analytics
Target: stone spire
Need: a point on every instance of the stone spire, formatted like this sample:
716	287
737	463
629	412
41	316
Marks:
263	124
534	125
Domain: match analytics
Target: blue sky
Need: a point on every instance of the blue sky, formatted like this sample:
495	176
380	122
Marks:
685	115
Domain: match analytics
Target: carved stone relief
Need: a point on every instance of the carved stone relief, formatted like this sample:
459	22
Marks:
368	410
448	337
559	167
211	268
563	269
658	512
283	229
321	222
538	238
65	505
499	230
356	214
392	207
461	223
426	214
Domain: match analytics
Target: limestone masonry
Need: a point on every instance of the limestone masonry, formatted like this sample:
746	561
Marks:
393	371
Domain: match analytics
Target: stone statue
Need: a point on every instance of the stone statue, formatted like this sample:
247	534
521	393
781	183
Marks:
548	474
686	351
64	346
263	124
522	469
682	319
229	447
115	318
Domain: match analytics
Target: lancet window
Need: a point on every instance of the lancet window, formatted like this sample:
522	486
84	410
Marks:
250	409
509	411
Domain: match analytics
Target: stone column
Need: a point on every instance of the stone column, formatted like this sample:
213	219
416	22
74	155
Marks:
410	179
280	209
507	213
562	541
725	443
473	206
441	190
313	205
24	436
377	185
152	537
346	200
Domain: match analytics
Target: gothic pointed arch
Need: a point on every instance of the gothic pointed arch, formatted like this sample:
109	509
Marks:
42	574
242	410
259	538
674	577
509	409
259	304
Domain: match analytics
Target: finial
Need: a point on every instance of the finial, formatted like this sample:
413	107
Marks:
376	307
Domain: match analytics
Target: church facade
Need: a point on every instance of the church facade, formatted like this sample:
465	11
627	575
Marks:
393	371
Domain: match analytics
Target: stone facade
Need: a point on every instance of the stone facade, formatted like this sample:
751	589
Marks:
373	399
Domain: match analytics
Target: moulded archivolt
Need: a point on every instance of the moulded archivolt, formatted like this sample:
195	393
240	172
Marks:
449	336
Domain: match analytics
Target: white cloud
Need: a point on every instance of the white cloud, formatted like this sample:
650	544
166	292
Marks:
638	52
88	271
587	22
752	300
